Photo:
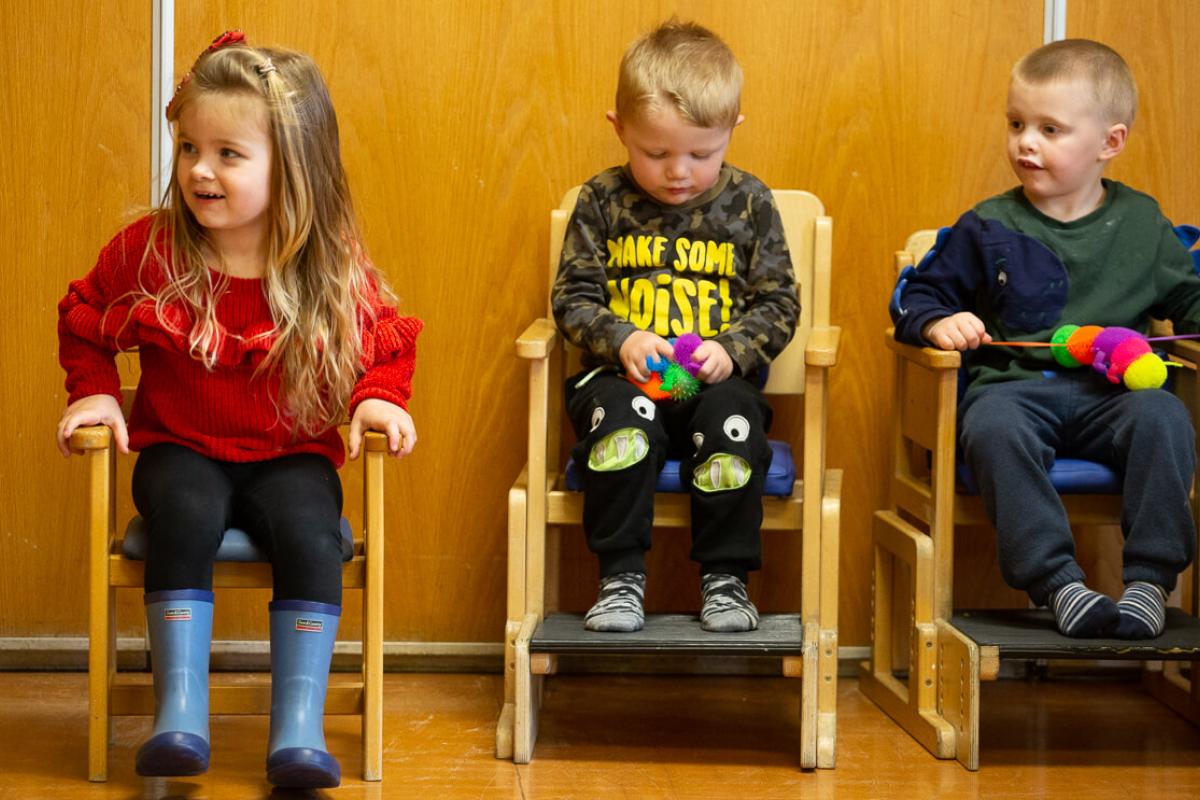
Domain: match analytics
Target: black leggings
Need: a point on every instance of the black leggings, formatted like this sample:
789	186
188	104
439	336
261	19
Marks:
290	506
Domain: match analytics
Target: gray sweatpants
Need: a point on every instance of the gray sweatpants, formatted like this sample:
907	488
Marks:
1011	433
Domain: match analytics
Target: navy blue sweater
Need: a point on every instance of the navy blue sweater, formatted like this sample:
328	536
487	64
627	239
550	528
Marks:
1025	274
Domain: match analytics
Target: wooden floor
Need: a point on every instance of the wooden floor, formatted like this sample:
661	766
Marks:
647	737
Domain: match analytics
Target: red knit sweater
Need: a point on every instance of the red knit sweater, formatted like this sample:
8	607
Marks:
226	413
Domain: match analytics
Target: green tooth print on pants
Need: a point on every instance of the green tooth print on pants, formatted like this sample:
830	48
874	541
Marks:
722	472
619	450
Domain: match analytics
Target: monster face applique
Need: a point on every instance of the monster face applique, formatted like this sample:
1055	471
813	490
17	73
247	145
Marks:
724	472
623	447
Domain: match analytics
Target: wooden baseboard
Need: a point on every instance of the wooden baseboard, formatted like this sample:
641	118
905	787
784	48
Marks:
69	653
50	653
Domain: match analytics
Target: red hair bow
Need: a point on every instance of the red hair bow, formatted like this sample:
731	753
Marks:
234	36
226	39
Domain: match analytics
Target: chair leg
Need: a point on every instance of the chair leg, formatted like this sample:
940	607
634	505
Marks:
827	639
101	660
112	662
827	669
913	705
504	725
374	537
958	690
528	691
517	498
1166	682
102	629
372	677
809	701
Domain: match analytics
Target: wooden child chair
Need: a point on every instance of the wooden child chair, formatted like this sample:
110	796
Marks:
541	500
927	658
115	563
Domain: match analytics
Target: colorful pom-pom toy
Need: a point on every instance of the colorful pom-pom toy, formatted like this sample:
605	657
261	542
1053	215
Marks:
1121	355
673	378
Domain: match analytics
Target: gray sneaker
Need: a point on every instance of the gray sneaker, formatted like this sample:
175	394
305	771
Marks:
727	608
619	606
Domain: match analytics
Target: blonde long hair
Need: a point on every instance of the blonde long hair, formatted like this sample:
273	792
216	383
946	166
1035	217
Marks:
318	281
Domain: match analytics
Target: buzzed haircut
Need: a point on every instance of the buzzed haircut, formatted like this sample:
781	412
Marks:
1113	86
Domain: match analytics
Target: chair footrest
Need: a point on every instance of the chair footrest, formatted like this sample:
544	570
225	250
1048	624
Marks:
1030	633
667	634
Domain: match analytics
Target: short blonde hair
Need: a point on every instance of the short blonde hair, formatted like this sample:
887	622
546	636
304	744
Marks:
1113	87
683	66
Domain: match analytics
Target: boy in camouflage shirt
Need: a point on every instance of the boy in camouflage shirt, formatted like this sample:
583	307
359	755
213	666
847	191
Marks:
674	242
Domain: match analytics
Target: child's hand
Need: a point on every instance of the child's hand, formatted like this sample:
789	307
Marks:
637	348
961	331
95	409
717	364
374	414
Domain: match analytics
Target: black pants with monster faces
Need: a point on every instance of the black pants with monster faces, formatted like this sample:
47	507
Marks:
720	435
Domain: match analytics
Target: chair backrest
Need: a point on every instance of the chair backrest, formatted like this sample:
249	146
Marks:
915	248
809	235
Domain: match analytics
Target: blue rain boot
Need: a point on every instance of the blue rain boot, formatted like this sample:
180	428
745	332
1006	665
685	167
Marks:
180	626
302	636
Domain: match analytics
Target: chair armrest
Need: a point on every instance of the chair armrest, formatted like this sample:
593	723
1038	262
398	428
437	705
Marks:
1187	349
929	357
821	349
93	437
375	442
538	339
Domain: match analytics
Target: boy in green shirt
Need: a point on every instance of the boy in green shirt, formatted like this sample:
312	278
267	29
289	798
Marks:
1066	246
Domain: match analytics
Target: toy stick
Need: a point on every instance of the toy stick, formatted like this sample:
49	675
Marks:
1053	344
1119	354
1019	344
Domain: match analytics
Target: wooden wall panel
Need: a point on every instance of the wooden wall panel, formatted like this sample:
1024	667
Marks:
1158	41
462	124
74	162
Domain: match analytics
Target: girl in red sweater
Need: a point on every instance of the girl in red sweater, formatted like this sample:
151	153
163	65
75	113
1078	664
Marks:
260	325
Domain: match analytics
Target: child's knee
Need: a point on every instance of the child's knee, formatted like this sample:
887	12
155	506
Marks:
990	430
722	472
729	455
624	432
1162	410
986	417
619	450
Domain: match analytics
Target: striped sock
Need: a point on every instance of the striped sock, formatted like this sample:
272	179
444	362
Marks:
1143	611
727	607
1083	613
619	607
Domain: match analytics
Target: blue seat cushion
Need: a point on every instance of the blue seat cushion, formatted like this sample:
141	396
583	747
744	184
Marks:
235	546
781	475
1067	475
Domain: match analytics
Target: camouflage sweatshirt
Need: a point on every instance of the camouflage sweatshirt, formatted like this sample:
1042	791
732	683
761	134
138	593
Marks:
717	266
